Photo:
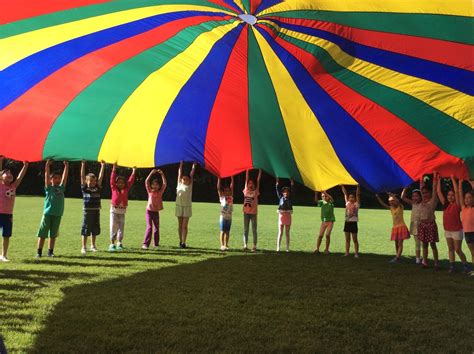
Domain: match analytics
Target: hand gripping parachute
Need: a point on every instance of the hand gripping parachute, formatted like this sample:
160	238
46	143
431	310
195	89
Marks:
324	91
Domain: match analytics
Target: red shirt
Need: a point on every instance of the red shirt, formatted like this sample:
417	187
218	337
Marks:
452	217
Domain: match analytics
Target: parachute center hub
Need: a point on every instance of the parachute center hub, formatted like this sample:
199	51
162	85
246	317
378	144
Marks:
250	19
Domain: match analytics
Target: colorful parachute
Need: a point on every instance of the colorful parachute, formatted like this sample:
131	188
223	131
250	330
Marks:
325	91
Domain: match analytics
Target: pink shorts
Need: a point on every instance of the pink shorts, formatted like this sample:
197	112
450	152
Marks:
284	218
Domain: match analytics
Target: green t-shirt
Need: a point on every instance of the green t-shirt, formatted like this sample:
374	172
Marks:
327	211
54	201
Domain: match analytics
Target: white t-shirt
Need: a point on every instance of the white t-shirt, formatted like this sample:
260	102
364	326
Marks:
227	207
352	212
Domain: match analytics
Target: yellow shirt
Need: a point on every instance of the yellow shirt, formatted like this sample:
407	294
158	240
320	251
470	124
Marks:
397	215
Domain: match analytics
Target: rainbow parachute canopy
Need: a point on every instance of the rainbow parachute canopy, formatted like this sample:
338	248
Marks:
324	91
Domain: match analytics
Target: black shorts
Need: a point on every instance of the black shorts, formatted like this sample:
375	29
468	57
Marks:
351	226
91	223
6	224
469	236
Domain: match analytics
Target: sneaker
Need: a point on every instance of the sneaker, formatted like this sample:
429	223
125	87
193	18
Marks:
83	251
112	248
287	250
418	261
346	255
467	270
326	252
278	249
144	247
394	260
119	247
223	248
227	248
38	255
254	249
316	251
436	266
356	255
245	249
51	254
93	249
451	270
4	259
424	265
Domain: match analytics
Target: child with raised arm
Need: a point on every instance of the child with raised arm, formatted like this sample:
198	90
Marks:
227	207
352	218
8	186
285	209
400	230
54	185
467	218
250	208
452	224
327	219
415	203
427	228
120	187
155	205
91	187
184	196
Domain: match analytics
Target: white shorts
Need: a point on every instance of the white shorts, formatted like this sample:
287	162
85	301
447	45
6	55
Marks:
455	235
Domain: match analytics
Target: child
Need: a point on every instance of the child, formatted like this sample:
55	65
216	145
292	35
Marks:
400	230
250	208
427	228
184	195
285	209
8	186
154	206
120	188
467	218
91	187
415	203
352	217
327	218
227	207
452	224
55	185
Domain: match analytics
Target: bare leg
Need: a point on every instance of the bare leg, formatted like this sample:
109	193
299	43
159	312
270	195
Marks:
287	233
280	233
434	249
93	238
450	243
322	229
185	229
180	229
227	238
328	236
460	253
84	242
355	239
425	253
471	249
41	241
348	242
6	242
400	248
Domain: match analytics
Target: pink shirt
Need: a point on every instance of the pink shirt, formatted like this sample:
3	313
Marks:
467	217
451	217
7	198
120	197
250	201
155	199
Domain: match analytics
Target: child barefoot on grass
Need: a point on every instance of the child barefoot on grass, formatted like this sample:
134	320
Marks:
427	228
91	193
251	194
8	186
400	230
154	206
352	217
285	209
453	230
415	203
327	219
184	195
55	185
120	188
467	218
227	207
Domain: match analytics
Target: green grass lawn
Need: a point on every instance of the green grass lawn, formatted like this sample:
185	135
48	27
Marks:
202	300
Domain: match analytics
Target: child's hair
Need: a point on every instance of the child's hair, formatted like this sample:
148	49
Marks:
5	170
285	189
120	178
416	191
425	189
471	193
90	175
56	173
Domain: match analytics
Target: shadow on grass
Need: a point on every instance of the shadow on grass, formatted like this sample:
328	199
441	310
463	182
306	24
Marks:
267	302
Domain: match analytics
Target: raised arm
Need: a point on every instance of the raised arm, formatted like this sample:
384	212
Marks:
404	197
358	194
259	177
277	182
65	173
101	173
148	180
344	191
460	192
292	187
113	175
131	179
47	176
22	173
456	190
435	188
330	197
180	171
439	192
219	192
381	202
246	178
163	178
316	197
232	184
83	173
193	170
2	158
